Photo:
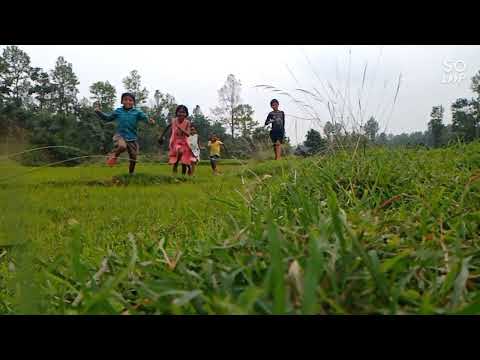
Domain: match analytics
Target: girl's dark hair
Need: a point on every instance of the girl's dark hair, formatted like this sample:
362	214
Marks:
181	107
274	101
129	95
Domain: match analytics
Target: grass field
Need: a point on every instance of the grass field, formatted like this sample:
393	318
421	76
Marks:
386	232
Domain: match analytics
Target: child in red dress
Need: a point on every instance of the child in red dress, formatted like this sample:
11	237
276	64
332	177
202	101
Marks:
179	148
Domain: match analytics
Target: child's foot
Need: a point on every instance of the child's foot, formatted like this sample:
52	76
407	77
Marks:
112	160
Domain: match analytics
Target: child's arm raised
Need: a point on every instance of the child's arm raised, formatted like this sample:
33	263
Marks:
106	117
142	116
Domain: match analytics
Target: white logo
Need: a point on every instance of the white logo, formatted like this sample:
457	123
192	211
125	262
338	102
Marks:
453	71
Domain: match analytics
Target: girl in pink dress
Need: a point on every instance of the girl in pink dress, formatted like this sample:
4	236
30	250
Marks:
179	148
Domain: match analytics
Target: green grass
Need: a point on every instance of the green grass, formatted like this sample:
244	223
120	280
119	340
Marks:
388	232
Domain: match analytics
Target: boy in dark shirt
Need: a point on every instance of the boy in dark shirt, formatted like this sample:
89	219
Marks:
277	133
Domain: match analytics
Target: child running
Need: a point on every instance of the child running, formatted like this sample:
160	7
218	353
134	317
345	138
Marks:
214	145
194	143
179	148
277	133
125	138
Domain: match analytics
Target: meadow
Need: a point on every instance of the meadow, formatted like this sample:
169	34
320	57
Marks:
385	231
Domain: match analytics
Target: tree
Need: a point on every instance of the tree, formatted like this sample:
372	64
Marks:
98	133
229	99
217	128
104	93
371	128
475	86
418	138
3	88
42	89
260	138
201	122
243	115
133	84
382	138
85	103
64	83
260	135
328	130
447	134
464	121
157	97
197	111
163	105
403	139
332	131
314	141
15	72
162	108
435	125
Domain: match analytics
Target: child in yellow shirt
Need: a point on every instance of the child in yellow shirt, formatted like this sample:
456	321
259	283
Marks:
215	146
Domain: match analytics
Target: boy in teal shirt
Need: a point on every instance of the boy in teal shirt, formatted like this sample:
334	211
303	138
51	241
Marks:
125	138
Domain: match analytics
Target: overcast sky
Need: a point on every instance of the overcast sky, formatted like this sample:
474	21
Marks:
193	74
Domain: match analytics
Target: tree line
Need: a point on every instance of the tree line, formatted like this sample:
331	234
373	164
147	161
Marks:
42	108
465	127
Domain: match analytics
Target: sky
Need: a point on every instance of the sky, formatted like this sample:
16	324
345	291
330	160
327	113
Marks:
366	75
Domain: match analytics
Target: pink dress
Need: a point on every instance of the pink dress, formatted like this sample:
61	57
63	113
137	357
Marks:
179	142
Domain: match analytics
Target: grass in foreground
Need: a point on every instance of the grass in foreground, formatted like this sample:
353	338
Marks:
391	232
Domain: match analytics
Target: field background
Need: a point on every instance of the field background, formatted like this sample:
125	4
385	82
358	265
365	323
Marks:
389	231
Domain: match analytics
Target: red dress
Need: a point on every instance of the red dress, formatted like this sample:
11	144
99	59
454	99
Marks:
179	142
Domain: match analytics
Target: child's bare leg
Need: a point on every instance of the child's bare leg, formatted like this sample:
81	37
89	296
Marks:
278	150
184	169
213	163
175	166
132	148
120	147
192	169
131	166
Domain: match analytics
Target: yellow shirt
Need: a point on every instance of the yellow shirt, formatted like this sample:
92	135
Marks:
215	147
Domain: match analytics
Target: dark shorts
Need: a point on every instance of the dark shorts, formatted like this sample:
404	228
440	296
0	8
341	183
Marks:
277	136
214	158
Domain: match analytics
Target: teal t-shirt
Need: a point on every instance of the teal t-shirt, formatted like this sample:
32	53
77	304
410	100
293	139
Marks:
127	121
